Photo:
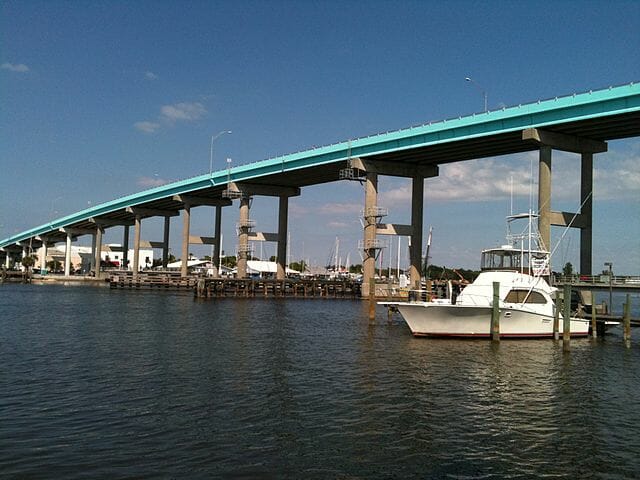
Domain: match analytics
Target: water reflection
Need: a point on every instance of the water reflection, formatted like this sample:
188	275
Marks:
159	385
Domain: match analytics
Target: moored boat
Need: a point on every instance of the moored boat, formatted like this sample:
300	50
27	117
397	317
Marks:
526	300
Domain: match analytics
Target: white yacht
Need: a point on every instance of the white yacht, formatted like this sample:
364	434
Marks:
526	300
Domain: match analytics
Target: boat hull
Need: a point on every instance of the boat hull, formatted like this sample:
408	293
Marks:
433	320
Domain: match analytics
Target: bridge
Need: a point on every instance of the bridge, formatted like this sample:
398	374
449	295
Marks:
580	123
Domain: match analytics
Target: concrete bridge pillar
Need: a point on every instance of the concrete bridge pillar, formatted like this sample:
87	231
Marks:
136	243
98	251
217	234
125	248
370	221
7	260
92	262
243	237
43	256
67	256
283	213
415	251
544	196
586	211
23	255
583	220
186	225
165	241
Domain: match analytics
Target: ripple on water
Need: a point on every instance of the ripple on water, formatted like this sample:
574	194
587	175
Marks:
118	384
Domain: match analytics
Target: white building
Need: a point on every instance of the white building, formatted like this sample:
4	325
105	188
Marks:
111	256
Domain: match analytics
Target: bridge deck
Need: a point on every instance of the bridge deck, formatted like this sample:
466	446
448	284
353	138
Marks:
600	115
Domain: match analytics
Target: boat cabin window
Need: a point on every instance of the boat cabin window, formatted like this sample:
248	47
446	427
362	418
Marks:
501	260
519	296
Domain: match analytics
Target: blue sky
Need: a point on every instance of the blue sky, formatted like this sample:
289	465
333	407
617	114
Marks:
103	99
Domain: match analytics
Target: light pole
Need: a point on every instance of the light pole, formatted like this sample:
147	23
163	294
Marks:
482	90
610	265
213	139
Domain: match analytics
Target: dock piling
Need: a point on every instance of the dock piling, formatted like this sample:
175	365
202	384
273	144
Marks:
566	319
556	318
594	317
495	313
372	300
626	320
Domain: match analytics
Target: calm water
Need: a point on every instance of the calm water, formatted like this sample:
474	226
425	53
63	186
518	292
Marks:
114	384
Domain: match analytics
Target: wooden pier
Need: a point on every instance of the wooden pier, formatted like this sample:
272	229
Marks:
14	276
152	280
267	288
205	287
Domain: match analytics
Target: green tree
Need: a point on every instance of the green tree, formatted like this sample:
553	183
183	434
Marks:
567	270
300	266
28	262
355	268
229	261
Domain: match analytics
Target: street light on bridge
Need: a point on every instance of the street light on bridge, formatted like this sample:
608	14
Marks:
213	139
482	90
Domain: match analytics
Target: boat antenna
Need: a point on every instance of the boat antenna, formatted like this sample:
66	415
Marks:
548	259
531	185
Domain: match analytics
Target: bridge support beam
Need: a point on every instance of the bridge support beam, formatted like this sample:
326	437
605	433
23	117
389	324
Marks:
586	147
283	213
582	220
544	196
125	248
244	226
415	252
586	211
136	243
92	263
186	225
98	250
165	240
370	227
23	255
67	256
43	256
217	234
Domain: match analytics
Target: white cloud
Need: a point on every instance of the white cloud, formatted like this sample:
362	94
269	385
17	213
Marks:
150	182
147	127
465	181
297	210
339	208
170	114
618	179
337	225
183	112
20	67
150	76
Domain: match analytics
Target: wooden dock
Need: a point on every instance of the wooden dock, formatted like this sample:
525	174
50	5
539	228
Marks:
268	288
205	287
151	280
14	276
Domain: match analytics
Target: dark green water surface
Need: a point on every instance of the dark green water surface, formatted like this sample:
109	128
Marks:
116	384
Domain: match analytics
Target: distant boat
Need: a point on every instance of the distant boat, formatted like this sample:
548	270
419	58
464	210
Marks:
526	300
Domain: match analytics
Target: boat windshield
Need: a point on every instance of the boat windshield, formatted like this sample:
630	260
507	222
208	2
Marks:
510	259
501	260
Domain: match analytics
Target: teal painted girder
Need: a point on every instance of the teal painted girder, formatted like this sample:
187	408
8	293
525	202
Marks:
584	106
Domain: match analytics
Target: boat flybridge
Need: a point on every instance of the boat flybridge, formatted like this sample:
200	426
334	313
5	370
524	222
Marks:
526	300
